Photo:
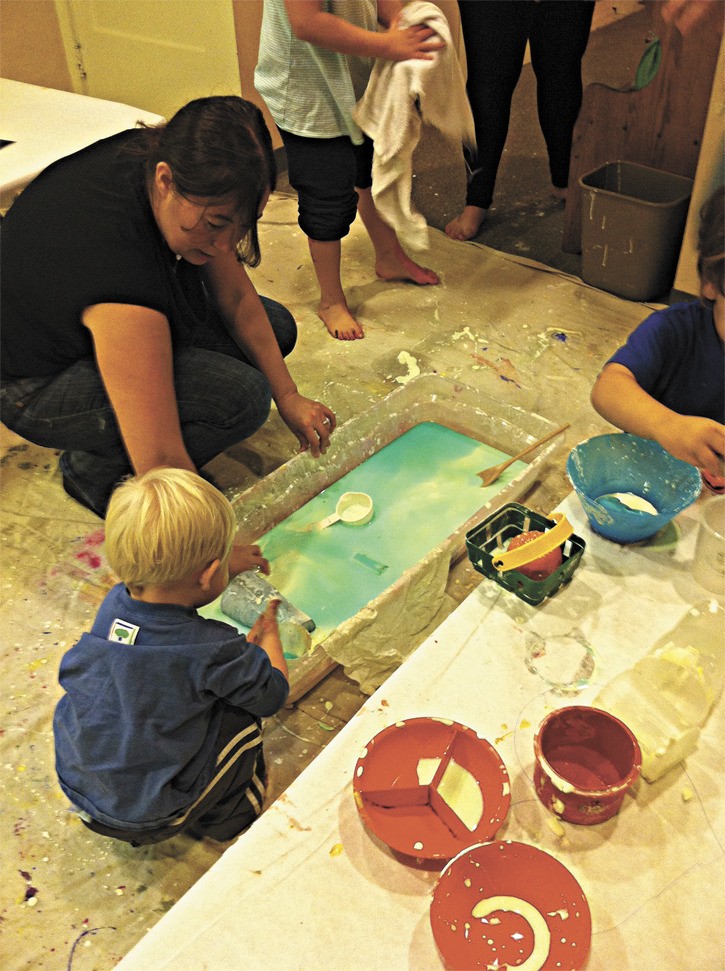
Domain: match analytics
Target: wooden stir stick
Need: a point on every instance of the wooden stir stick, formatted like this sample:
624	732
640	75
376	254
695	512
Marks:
489	476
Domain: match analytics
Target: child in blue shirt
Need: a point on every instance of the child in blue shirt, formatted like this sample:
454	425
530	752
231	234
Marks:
667	383
159	730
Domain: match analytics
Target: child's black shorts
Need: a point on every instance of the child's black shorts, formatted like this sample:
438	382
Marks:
325	173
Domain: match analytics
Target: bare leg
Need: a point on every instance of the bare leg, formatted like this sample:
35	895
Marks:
467	224
391	260
332	309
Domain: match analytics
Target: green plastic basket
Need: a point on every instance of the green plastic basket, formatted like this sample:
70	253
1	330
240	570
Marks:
485	541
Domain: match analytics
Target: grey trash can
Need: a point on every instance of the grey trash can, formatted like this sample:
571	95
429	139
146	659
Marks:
633	218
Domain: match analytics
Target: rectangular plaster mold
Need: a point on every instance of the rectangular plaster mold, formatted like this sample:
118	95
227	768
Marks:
427	398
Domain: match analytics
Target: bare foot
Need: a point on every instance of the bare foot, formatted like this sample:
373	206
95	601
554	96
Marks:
468	224
340	322
559	193
397	265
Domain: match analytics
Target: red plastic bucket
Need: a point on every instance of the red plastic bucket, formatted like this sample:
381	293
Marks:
586	759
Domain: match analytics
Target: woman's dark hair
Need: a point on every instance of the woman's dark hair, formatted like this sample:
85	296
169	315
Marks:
711	241
218	148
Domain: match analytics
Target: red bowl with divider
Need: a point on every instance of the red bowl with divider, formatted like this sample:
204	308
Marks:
428	787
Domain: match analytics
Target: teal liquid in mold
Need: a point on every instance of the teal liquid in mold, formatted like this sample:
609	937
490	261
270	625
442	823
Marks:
423	486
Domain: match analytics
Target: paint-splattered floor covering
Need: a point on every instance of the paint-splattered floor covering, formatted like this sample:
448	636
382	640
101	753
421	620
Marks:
533	337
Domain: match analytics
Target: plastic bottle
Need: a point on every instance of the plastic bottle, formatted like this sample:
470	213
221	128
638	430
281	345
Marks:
666	697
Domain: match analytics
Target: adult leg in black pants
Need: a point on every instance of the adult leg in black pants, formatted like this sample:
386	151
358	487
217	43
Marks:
495	33
558	37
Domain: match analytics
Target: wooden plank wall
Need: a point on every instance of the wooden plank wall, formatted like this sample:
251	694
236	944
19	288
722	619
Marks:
660	125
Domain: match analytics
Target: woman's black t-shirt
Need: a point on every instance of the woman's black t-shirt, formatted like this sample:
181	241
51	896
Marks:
82	233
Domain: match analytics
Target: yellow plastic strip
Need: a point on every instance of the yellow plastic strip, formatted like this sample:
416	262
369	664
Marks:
540	546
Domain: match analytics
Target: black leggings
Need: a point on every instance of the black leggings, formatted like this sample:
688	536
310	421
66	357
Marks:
495	34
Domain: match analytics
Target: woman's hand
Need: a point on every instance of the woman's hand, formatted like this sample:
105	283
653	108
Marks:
243	558
311	421
248	324
688	15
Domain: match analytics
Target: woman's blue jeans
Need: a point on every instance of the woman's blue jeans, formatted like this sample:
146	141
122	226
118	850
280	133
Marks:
222	399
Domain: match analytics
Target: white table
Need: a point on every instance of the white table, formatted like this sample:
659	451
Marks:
44	124
283	896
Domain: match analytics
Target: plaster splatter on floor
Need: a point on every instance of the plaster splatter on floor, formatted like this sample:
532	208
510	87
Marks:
410	362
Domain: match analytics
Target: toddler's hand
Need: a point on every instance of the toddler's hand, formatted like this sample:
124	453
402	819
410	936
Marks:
265	634
266	624
412	43
244	558
699	441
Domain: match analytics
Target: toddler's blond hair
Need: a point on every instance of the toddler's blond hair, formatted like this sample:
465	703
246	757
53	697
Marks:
164	525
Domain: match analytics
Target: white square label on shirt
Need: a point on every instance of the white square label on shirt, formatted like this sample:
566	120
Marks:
122	632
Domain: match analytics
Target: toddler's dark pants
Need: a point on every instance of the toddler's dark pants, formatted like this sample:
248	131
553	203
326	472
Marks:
230	802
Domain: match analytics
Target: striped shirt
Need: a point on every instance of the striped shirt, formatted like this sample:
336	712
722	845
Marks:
310	91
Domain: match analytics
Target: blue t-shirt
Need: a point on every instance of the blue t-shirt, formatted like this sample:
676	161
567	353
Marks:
137	731
678	358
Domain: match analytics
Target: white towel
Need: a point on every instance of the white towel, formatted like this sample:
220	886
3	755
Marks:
399	96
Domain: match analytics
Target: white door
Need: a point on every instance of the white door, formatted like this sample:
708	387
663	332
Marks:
151	54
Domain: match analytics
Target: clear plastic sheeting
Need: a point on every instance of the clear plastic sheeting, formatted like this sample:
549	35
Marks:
376	641
373	642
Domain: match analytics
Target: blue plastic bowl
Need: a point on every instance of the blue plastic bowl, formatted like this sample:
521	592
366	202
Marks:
626	463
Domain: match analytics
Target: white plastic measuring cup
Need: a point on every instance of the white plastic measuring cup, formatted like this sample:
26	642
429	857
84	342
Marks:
353	508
